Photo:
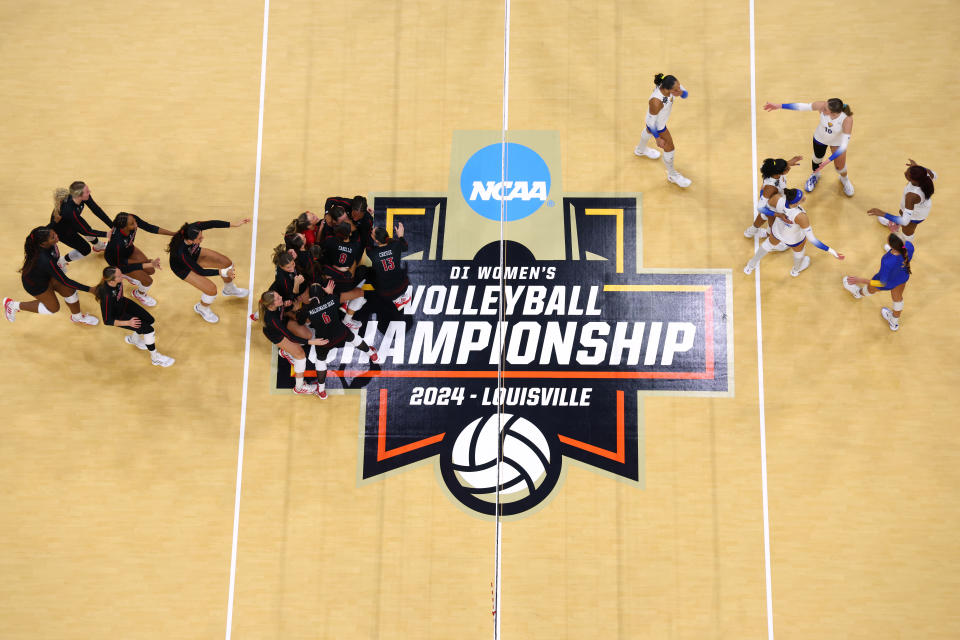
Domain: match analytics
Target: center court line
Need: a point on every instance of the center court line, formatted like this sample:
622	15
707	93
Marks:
756	279
246	349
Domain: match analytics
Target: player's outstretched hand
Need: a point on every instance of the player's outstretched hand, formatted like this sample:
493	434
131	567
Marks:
240	222
875	212
770	107
840	256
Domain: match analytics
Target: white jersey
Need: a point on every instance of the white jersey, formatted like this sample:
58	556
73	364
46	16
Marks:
664	114
830	129
788	232
920	210
780	184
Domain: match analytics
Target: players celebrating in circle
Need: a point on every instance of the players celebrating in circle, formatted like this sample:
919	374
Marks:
194	264
792	227
43	279
834	130
119	311
668	88
774	174
914	204
271	307
892	276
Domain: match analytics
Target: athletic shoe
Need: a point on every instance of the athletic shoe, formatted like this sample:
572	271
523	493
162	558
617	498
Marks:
132	281
206	313
231	289
751	265
136	340
84	318
144	298
401	300
8	309
852	288
795	271
756	232
306	390
286	356
98	247
888	316
812	182
373	355
255	316
321	393
351	324
160	360
646	152
678	180
883	221
62	263
847	187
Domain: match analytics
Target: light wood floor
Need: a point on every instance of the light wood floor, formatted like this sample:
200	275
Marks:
117	478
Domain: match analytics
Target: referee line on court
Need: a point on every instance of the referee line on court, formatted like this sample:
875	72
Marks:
246	348
756	279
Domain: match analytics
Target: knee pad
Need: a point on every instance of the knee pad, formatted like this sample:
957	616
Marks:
72	298
356	303
767	245
42	310
225	272
898	306
207	300
149	338
299	366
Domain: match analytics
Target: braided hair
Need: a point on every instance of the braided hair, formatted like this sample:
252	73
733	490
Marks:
31	247
188	231
898	245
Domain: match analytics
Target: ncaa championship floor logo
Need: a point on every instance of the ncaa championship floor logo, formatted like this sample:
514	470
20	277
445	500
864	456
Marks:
587	334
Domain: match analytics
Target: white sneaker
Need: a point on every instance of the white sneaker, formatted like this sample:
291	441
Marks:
812	181
847	187
756	232
84	318
62	263
646	152
144	298
206	313
372	354
795	271
888	316
160	360
133	281
402	300
883	221
99	246
8	309
231	289
286	356
678	180
751	265
852	288
306	390
321	393
136	340
351	324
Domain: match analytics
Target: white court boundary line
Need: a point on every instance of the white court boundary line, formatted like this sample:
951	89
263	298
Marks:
756	279
246	348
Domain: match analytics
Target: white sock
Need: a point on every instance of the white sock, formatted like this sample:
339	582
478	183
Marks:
644	139
298	382
798	257
668	160
73	255
764	248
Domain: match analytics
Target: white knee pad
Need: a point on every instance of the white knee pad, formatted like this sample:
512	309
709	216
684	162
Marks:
225	272
898	306
72	298
321	365
42	310
356	303
150	338
767	246
299	366
207	300
842	172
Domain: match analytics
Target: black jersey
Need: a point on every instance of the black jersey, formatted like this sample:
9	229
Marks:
342	254
71	219
391	276
283	284
275	327
323	313
183	256
37	278
113	305
333	201
120	246
364	227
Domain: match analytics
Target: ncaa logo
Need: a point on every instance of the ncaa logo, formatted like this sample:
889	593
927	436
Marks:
524	190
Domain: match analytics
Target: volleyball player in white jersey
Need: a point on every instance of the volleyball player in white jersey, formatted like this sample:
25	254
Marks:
773	172
834	130
791	227
668	88
914	204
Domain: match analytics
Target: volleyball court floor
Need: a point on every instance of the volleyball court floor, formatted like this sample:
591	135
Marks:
362	515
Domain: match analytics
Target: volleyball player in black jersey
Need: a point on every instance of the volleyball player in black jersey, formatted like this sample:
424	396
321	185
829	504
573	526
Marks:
43	279
291	287
288	343
385	255
343	255
324	318
67	220
332	216
133	263
122	312
361	216
307	224
296	244
196	265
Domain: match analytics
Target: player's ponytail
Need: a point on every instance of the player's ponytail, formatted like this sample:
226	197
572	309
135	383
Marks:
772	167
294	241
924	178
266	299
31	247
281	256
836	105
188	231
59	197
897	244
359	203
100	289
664	81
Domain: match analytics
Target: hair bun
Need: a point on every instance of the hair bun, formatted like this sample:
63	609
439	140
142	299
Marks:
657	79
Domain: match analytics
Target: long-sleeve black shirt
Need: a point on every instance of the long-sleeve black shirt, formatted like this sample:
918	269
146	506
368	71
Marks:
183	256
120	247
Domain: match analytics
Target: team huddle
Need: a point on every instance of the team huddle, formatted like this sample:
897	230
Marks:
780	219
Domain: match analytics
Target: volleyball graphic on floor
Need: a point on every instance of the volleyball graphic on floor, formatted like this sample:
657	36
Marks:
524	464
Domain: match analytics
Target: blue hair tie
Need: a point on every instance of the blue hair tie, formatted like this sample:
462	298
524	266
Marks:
796	199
